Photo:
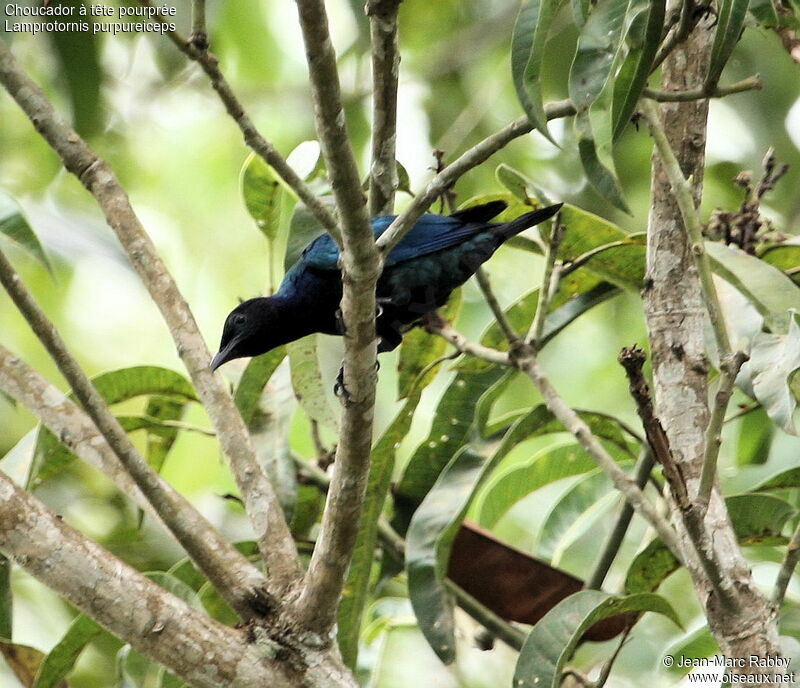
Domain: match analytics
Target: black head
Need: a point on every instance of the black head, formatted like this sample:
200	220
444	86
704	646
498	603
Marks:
252	328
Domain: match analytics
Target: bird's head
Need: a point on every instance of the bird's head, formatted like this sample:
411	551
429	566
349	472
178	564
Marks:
250	329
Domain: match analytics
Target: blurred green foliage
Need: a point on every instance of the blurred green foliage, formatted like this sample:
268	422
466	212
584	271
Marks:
156	120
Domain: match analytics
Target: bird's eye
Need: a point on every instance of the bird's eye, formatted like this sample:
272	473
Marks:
239	319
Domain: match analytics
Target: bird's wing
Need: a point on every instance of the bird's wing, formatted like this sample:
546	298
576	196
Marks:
431	233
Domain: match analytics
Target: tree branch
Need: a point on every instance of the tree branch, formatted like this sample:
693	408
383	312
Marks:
461	165
252	137
694	229
269	524
497	310
361	266
549	286
787	568
748	84
191	645
729	370
574	424
233	576
523	359
385	67
740	618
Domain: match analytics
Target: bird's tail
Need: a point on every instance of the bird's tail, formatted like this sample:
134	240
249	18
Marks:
509	229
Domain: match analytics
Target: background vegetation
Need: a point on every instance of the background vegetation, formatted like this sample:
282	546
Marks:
155	119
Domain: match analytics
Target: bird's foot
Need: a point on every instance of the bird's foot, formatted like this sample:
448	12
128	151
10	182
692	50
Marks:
339	388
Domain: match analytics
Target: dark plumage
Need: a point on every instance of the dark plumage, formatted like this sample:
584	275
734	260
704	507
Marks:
439	254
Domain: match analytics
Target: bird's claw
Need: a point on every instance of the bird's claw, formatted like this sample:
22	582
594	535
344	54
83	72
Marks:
339	388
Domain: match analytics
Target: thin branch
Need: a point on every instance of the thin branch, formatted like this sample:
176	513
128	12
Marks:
361	267
729	369
213	555
574	424
199	37
497	310
523	359
252	137
787	568
748	84
263	508
385	68
461	165
435	324
499	628
608	554
684	198
693	513
549	286
632	359
680	32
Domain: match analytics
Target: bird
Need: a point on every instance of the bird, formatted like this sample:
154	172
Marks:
438	254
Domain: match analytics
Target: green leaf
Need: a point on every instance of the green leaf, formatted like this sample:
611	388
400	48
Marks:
262	190
600	175
303	229
774	359
269	426
782	480
604	251
767	288
78	56
6	599
307	381
160	438
430	536
254	378
730	22
177	587
643	38
270	202
765	13
15	228
356	590
215	606
552	641
135	670
587	490
61	659
600	45
517	183
403	180
50	456
437	519
507	487
784	256
453	423
527	56
756	519
756	433
419	349
698	643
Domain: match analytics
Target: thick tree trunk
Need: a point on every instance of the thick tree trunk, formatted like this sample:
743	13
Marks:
744	622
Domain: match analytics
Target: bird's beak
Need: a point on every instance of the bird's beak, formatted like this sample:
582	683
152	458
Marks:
223	355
